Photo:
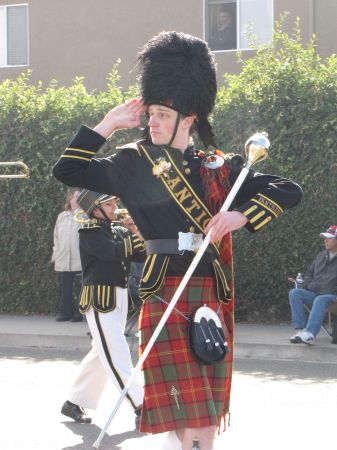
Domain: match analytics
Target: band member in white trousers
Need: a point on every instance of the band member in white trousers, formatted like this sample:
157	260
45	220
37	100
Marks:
106	250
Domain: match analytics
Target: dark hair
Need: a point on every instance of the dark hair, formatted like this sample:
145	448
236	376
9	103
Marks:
223	9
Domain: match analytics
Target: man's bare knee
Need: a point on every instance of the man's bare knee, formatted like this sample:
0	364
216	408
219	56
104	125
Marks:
205	436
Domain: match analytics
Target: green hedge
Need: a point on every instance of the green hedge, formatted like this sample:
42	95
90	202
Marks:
35	127
288	91
284	89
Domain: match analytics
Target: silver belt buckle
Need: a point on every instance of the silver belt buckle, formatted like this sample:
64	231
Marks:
189	241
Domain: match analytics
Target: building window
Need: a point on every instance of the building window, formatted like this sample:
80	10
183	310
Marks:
14	35
227	23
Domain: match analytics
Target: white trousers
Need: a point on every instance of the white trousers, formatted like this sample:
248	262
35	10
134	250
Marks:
109	358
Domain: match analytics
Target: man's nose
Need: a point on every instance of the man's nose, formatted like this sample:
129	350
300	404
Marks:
152	121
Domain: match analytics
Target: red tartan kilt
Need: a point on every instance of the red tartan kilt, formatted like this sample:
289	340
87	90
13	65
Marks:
179	391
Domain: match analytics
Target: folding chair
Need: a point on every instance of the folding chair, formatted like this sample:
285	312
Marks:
331	310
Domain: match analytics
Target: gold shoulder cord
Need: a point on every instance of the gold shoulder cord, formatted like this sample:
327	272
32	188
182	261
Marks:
84	220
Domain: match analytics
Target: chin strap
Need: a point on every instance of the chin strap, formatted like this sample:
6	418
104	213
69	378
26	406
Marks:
175	129
102	211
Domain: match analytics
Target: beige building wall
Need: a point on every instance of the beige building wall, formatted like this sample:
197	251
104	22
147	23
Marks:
86	37
324	26
316	16
71	38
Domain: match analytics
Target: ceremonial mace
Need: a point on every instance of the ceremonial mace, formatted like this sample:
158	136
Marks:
256	149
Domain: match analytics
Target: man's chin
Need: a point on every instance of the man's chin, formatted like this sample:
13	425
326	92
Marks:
156	140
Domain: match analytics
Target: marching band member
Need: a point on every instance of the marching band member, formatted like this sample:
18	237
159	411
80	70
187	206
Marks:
171	190
106	250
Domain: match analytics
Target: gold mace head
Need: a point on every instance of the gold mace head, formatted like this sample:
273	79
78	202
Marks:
256	148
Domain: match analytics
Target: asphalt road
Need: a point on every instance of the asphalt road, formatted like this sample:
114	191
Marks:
275	405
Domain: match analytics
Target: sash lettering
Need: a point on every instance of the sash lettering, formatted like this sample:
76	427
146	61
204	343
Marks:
181	191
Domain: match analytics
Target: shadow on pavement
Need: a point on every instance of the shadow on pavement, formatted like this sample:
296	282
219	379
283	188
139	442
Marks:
90	432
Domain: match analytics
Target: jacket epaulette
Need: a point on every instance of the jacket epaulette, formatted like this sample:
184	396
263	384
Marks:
91	223
130	146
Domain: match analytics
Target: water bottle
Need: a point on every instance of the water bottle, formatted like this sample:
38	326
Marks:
299	281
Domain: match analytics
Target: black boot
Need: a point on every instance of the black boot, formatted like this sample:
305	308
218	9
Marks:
75	412
138	414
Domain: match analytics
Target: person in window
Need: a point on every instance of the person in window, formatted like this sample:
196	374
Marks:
66	258
173	191
319	290
223	36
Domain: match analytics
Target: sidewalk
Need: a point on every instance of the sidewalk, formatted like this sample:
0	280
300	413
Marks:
255	341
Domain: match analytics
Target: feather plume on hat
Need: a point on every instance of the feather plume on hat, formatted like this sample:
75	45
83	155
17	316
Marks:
177	70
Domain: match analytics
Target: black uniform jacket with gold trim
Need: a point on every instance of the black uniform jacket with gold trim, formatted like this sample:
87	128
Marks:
106	251
128	175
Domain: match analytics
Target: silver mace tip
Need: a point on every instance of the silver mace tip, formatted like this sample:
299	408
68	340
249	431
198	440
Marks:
256	148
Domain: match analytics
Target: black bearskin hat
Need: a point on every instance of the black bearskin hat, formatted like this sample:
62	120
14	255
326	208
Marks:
177	70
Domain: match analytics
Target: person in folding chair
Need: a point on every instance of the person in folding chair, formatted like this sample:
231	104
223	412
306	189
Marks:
174	192
318	291
106	250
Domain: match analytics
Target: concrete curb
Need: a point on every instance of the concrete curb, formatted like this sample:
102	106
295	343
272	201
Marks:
296	352
242	350
18	341
255	341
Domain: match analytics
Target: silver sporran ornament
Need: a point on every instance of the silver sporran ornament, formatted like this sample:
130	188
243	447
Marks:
212	160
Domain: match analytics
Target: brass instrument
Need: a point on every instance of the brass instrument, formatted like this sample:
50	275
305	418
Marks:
82	217
24	170
121	214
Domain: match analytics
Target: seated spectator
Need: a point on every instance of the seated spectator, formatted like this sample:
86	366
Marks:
319	290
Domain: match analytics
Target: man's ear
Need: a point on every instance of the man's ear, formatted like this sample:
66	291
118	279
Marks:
189	120
93	212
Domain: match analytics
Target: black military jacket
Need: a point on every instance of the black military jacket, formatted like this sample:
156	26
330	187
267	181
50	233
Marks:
106	251
129	175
